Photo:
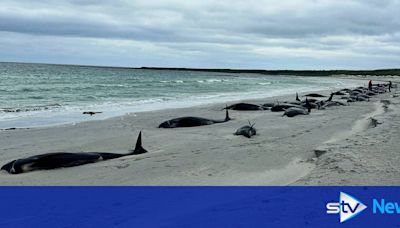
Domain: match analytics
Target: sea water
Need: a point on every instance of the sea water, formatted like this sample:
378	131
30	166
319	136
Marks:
34	95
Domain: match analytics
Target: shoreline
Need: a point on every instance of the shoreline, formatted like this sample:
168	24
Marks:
282	152
20	123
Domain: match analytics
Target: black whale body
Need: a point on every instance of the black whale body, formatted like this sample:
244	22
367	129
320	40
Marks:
245	107
313	95
64	159
291	112
283	106
191	121
246	131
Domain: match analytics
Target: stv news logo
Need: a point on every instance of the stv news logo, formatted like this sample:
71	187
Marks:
347	207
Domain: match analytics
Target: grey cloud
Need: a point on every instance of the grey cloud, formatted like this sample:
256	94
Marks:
198	31
147	21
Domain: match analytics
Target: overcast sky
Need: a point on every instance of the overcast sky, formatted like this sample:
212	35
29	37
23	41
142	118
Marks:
264	34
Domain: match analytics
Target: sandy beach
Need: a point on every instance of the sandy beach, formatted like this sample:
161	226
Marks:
351	150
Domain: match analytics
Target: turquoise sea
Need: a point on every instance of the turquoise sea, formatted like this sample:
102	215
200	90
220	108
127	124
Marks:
40	95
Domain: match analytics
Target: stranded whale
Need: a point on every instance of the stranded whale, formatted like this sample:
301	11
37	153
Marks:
61	159
245	107
294	111
191	121
290	112
247	131
314	95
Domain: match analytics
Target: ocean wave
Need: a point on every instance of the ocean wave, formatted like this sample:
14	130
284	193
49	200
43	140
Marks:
26	90
30	108
36	97
215	80
107	86
264	83
174	81
212	80
25	101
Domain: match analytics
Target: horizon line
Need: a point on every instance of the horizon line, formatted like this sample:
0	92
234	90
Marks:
192	68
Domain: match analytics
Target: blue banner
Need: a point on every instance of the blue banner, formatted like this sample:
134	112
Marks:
200	206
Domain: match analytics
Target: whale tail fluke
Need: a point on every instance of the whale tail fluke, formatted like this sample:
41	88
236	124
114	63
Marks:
138	148
251	125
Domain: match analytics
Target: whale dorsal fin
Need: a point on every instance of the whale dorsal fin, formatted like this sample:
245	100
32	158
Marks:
297	97
227	118
330	98
138	148
308	106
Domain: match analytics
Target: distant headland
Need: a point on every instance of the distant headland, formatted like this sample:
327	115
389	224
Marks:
378	72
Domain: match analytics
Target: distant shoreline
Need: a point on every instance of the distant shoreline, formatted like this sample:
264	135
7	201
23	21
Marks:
376	72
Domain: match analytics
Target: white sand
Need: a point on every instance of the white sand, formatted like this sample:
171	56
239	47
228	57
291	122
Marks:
364	154
281	153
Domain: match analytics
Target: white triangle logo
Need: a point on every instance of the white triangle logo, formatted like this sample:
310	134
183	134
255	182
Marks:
349	207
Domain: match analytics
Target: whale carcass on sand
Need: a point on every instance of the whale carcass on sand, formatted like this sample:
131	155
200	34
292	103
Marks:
191	121
65	159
